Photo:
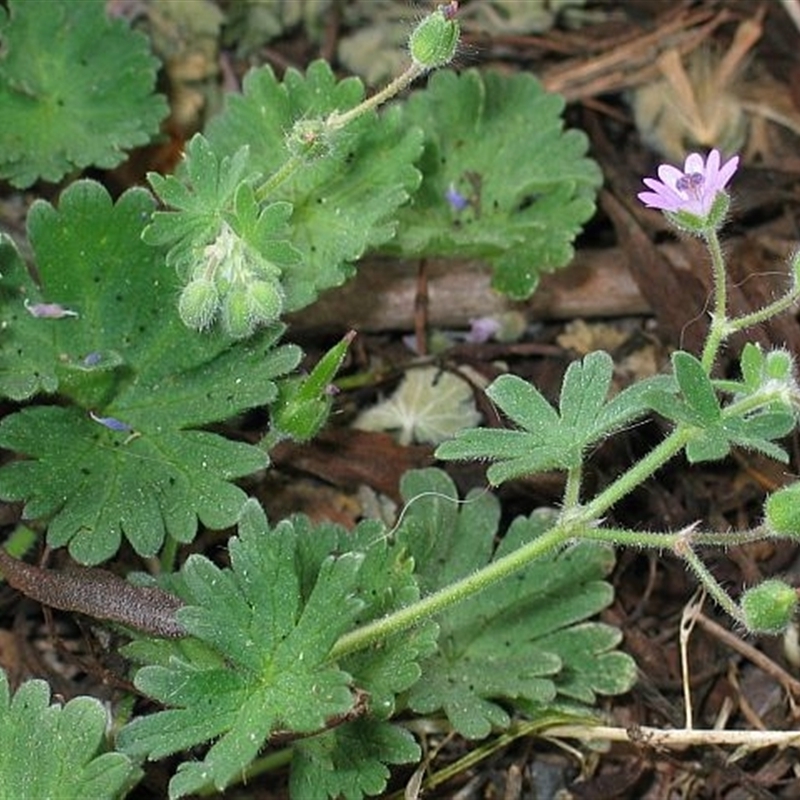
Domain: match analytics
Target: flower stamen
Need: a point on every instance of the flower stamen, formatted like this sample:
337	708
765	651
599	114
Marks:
690	184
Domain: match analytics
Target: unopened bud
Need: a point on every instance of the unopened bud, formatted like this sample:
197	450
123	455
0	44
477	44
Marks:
783	511
309	139
236	318
198	304
434	41
769	608
266	301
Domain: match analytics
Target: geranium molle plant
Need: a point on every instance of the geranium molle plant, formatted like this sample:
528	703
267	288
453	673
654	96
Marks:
709	416
310	639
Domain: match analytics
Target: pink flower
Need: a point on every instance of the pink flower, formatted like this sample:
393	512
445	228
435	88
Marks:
692	190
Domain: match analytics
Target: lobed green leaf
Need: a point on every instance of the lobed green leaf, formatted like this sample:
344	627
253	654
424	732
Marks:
57	750
551	440
350	761
498	142
522	639
125	360
271	620
65	102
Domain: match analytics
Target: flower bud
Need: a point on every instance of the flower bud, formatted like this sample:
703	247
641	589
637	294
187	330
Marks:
198	304
769	608
434	41
783	511
298	417
309	139
779	365
236	317
266	301
303	404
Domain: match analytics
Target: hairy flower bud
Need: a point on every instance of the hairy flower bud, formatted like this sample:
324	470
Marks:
309	139
434	41
198	304
237	319
769	607
266	301
783	511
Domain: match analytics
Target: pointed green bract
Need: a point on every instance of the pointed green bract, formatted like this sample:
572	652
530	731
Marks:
66	102
498	141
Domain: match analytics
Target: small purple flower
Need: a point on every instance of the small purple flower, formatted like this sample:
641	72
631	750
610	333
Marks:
112	423
48	310
457	200
92	359
482	329
692	190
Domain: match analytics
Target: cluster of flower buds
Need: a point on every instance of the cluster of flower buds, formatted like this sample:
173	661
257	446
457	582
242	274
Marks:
234	283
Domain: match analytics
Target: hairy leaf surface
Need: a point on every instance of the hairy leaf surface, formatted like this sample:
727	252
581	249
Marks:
272	619
121	459
524	638
66	102
57	750
520	187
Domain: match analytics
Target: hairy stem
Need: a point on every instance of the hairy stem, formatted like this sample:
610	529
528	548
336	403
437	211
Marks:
719	329
378	630
637	474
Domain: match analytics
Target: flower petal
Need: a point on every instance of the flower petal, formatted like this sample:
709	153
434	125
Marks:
712	165
727	171
663	190
694	163
652	200
669	174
